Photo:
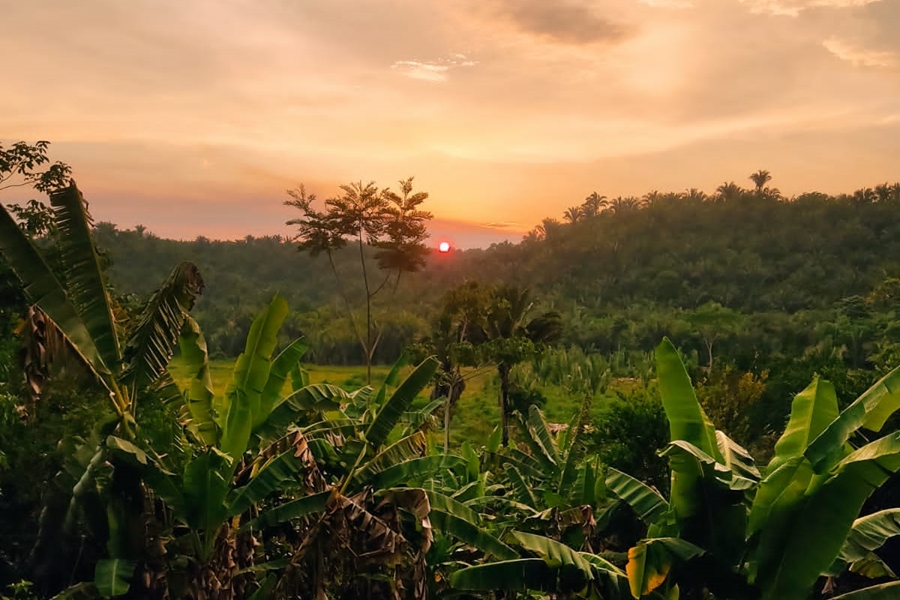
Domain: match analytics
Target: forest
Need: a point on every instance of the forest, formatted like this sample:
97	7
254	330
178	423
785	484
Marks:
681	395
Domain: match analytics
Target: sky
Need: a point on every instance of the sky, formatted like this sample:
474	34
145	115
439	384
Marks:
192	117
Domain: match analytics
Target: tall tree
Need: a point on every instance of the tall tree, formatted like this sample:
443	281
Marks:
760	179
390	222
512	337
593	204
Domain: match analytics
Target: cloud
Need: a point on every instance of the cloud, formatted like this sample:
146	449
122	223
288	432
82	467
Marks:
793	8
435	71
564	22
502	225
677	4
859	57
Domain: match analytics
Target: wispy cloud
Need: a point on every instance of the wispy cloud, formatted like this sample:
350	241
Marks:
677	4
793	8
858	56
503	225
433	71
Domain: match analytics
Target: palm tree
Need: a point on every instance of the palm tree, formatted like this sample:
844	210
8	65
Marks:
513	338
729	191
573	214
621	204
695	195
593	204
760	179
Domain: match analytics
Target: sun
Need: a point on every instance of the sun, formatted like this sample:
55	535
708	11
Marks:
444	247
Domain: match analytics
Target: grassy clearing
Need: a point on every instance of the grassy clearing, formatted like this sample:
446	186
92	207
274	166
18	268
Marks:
476	415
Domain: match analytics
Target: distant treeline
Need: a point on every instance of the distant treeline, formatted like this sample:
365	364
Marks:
751	251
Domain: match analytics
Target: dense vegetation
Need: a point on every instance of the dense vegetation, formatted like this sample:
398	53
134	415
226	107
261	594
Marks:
243	478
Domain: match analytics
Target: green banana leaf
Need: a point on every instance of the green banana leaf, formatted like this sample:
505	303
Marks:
150	347
538	454
554	553
284	363
647	503
687	420
808	549
575	451
885	591
205	490
199	395
317	398
295	509
393	377
42	288
870	410
271	478
707	503
524	462
398	452
459	521
584	488
416	470
745	475
538	426
812	411
112	576
521	489
519	574
399	402
162	483
85	286
251	371
868	534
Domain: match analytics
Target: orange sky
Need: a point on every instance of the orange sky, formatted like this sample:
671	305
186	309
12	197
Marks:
193	116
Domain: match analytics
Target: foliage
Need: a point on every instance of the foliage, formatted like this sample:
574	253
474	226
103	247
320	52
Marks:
628	434
393	223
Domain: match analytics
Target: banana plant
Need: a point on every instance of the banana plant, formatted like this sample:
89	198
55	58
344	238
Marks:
765	536
127	363
319	461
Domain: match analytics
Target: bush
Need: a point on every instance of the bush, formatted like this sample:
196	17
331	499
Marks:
628	434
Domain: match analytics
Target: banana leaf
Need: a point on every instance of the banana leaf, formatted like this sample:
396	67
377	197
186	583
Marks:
42	288
650	562
199	395
416	470
459	521
789	570
390	412
284	363
687	420
251	371
885	591
85	286
812	411
647	503
868	534
870	410
112	576
150	347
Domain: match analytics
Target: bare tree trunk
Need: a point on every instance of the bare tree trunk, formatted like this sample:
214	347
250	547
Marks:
367	348
503	370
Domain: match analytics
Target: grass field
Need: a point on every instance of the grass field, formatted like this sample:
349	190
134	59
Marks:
477	413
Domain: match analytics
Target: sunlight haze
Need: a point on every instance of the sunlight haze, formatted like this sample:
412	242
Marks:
194	117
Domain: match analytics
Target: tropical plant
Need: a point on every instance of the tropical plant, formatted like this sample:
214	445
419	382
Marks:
512	338
393	223
127	364
762	535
